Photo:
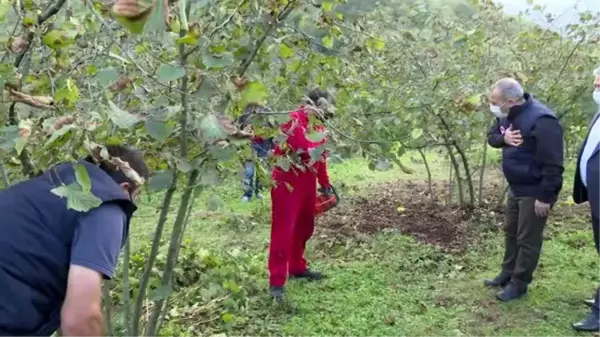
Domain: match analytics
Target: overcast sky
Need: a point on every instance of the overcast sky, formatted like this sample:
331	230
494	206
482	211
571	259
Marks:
566	9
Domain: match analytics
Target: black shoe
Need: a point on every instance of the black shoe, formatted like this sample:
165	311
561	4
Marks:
591	323
511	292
589	303
499	281
277	293
308	275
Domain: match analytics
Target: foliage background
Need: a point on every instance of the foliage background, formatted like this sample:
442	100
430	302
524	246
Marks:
408	76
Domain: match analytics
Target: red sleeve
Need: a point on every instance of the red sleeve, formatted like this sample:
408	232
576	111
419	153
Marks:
296	130
322	175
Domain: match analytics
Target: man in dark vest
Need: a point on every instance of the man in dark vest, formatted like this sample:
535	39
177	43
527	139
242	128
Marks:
586	187
531	139
52	258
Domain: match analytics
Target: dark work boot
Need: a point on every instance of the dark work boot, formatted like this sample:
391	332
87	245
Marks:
512	291
590	324
308	275
277	293
499	281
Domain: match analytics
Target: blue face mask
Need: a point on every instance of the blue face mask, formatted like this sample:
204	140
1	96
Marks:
597	96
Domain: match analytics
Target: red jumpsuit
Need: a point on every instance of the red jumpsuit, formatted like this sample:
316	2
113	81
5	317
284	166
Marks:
293	201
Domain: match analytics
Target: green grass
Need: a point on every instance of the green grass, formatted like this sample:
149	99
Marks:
394	285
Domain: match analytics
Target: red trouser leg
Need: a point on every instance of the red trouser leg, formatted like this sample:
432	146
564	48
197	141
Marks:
305	225
285	207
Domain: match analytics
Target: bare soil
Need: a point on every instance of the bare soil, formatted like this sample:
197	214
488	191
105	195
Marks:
409	208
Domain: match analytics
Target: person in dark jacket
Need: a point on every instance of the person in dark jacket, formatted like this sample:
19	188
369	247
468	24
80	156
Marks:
261	146
53	258
531	139
586	187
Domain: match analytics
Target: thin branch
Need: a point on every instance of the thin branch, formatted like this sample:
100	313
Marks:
286	11
219	27
4	176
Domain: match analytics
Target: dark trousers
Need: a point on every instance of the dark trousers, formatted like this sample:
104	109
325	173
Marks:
523	239
596	229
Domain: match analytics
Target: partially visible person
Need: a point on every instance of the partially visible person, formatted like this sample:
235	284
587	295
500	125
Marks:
261	146
531	139
586	187
294	194
53	259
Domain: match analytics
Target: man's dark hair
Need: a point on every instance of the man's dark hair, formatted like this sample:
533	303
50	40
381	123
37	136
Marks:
317	93
128	154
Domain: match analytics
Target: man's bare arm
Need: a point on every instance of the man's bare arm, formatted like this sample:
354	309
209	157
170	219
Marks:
81	313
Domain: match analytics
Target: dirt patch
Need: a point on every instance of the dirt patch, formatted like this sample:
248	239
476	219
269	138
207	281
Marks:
409	208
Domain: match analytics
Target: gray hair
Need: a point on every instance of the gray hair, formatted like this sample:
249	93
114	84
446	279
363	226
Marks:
597	72
510	88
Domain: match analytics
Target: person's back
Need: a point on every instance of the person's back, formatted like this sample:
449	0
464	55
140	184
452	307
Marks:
42	239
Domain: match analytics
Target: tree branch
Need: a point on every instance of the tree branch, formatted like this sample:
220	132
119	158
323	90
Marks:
286	11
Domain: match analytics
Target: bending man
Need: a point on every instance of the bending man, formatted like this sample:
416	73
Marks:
53	259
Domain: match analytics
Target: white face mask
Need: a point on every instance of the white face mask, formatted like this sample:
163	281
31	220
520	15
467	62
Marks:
497	111
597	96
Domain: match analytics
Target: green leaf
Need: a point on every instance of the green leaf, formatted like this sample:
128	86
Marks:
214	202
187	39
285	51
183	165
227	318
77	199
169	72
328	41
156	21
68	94
107	76
4	7
284	163
56	39
57	134
255	92
383	165
210	178
121	118
316	136
217	62
158	130
474	99
327	6
134	26
416	133
160	180
210	129
83	178
161	292
8	136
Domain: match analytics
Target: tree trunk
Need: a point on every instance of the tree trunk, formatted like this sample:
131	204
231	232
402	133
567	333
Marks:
450	185
482	173
468	175
461	195
428	169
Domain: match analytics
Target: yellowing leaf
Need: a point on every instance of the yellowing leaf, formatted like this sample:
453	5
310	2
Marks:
57	39
400	209
416	133
328	41
255	92
285	51
187	39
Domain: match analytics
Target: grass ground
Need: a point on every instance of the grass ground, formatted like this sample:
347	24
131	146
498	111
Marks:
393	284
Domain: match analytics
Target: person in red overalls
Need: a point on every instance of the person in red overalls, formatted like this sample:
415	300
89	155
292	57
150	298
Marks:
293	196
